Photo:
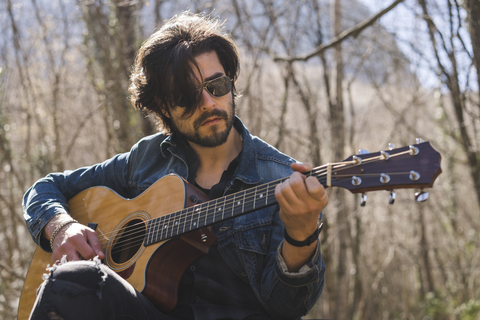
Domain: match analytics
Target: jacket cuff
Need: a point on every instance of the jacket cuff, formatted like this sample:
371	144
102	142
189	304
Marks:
308	273
37	224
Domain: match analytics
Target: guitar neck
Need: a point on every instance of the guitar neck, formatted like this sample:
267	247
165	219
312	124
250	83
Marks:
210	212
414	166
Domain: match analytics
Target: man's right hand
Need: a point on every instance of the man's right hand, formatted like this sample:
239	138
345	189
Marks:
74	240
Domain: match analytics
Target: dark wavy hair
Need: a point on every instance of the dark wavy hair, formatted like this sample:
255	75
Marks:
164	69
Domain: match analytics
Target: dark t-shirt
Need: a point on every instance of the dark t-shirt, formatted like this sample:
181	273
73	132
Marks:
209	289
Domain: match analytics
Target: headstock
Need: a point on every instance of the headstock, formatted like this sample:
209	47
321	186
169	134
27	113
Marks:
415	166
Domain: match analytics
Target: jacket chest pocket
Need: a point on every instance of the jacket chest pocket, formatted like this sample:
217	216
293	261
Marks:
256	239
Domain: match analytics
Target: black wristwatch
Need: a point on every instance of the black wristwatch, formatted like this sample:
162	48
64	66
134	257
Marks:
305	242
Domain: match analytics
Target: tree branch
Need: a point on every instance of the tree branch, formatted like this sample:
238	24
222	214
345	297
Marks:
353	31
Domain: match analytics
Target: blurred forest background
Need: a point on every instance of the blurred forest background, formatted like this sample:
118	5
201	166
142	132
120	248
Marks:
320	80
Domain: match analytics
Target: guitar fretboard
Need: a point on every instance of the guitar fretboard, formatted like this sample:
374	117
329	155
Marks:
210	212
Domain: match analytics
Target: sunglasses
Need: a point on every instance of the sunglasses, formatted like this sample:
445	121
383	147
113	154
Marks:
218	87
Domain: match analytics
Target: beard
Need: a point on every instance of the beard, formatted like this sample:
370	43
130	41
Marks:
216	137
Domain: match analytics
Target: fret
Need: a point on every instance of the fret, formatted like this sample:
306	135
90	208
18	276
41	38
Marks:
164	227
214	211
219	210
211	211
239	204
186	218
243	204
248	205
168	230
156	229
206	213
224	207
173	224
196	217
233	205
266	194
149	230
254	197
178	222
271	197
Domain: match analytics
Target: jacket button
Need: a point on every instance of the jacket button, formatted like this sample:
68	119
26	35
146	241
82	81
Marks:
244	274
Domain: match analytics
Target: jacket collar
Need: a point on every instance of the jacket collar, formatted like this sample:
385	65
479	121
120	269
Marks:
247	170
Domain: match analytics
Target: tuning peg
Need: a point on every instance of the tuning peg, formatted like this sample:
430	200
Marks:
363	151
391	146
421	196
419	140
363	200
391	199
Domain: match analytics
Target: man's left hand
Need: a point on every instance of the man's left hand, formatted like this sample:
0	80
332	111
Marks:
301	200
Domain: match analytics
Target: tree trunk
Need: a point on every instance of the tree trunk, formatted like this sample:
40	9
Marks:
337	122
473	14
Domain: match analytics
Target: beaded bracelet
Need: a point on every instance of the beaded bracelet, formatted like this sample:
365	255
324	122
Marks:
58	228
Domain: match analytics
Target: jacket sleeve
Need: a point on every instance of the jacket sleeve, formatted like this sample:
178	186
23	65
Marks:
49	196
290	295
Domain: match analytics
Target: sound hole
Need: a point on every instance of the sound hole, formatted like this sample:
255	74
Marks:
128	241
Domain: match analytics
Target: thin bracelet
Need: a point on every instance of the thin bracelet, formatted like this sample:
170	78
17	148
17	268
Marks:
58	228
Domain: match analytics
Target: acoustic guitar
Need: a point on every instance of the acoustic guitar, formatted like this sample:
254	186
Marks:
150	240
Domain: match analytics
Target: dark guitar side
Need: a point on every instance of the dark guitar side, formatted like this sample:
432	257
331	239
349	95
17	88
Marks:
154	270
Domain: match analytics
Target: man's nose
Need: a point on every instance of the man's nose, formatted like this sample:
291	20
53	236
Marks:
207	100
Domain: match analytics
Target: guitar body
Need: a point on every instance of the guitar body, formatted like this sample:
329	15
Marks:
154	270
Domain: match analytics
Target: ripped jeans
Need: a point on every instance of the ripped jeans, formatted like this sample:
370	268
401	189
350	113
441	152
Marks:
90	290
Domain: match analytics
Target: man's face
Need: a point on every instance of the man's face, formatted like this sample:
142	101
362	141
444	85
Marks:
212	121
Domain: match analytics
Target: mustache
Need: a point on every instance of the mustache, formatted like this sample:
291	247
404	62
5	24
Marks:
214	113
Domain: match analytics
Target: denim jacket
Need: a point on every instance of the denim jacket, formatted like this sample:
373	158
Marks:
250	244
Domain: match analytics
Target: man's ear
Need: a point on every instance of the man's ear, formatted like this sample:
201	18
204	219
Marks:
162	108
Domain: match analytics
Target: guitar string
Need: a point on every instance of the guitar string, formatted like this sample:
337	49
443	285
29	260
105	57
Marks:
184	212
248	194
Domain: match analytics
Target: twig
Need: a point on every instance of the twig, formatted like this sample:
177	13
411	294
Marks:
353	31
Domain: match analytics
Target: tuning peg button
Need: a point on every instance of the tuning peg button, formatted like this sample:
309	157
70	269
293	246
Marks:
391	199
391	146
363	200
356	181
419	140
421	196
363	151
384	155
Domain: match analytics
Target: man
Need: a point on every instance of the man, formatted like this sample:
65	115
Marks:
185	75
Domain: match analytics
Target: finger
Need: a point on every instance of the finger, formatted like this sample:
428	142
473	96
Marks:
305	188
281	191
292	194
85	250
301	167
315	189
72	255
68	251
94	242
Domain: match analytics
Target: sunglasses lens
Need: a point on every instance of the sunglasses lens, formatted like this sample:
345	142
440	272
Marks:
219	87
